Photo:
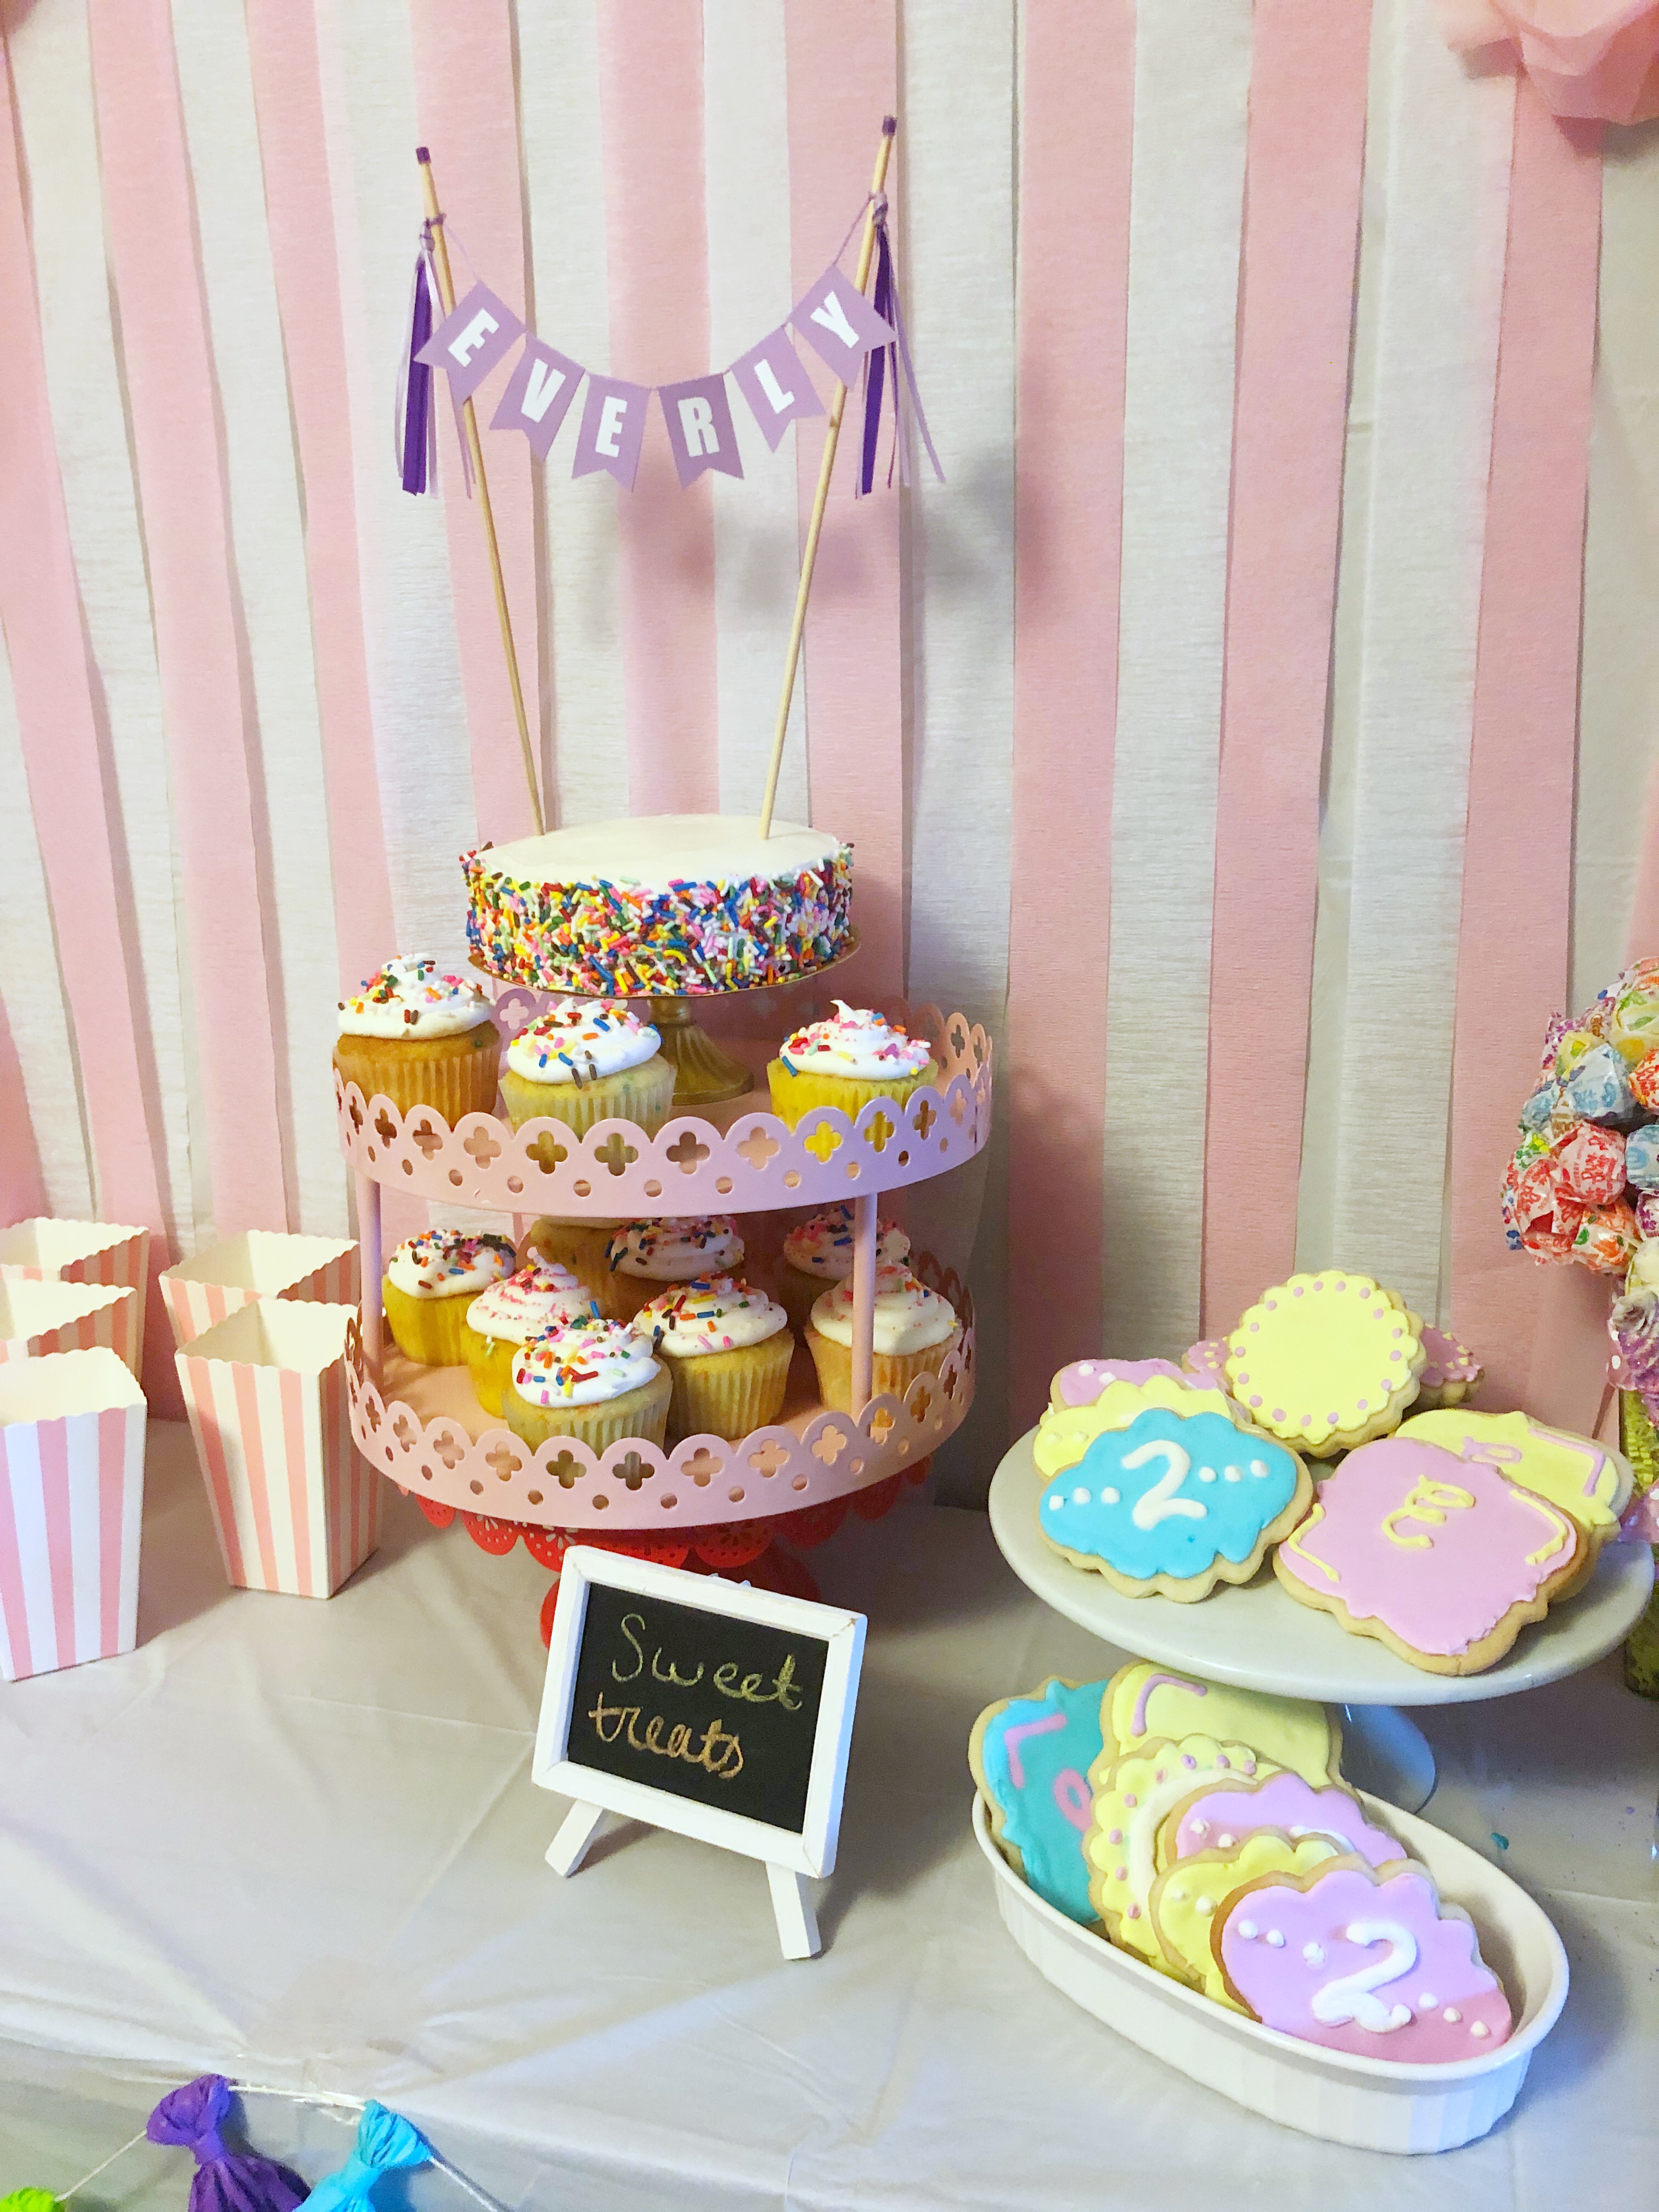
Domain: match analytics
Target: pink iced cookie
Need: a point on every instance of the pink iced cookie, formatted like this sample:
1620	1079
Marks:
1082	1383
1374	1967
1206	1362
1440	1558
1218	1819
1450	1373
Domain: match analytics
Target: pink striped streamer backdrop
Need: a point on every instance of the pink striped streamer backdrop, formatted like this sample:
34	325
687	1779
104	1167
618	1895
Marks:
464	100
204	677
58	726
1304	156
1074	286
288	95
638	574
843	77
1518	865
657	244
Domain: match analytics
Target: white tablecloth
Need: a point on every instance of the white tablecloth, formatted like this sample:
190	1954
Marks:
297	1843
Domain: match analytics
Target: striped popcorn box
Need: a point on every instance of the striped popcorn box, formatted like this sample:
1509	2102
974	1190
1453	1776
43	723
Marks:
71	1506
294	1508
262	1263
45	1250
37	1318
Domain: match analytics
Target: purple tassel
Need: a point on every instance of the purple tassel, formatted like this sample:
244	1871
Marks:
224	2180
417	393
885	364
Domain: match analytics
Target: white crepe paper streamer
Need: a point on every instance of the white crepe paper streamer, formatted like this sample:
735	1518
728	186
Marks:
51	69
414	670
756	518
564	185
268	543
1192	94
1619	705
1431	262
955	245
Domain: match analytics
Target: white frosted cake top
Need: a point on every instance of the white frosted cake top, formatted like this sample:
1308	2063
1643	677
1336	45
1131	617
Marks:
658	851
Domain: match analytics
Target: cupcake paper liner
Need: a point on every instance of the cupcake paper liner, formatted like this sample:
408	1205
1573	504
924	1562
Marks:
489	1361
452	1075
727	1394
892	1371
795	1092
643	1094
642	1413
433	1331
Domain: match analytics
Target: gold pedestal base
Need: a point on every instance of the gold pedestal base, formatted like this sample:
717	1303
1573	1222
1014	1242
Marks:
703	1074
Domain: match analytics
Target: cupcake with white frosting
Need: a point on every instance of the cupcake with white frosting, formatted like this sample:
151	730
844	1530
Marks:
554	1241
509	1313
916	1330
818	1253
644	1258
430	1282
587	1060
421	1036
592	1379
853	1056
727	1348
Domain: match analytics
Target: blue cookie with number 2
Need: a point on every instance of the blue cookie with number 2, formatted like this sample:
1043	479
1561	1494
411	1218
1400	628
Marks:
1174	1500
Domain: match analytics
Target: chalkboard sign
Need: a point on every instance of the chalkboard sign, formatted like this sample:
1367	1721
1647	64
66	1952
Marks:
699	1704
702	1704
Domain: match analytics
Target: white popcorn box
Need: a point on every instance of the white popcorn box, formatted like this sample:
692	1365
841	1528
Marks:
71	1508
37	1318
295	1507
42	1250
262	1263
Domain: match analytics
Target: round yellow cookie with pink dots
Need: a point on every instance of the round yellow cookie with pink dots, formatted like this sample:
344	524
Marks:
1326	1361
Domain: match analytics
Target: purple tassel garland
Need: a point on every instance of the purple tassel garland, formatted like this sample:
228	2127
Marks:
418	390
885	365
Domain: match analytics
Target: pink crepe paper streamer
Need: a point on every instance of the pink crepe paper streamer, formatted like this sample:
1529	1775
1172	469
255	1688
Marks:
1594	60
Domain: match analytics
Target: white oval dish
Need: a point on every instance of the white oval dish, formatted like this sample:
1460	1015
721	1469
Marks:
1373	2104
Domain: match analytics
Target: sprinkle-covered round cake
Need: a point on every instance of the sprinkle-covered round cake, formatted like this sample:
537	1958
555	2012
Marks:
670	904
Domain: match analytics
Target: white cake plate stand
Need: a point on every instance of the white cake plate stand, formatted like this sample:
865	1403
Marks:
1256	1637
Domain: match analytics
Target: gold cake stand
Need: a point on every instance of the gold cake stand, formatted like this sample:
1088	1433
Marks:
705	1074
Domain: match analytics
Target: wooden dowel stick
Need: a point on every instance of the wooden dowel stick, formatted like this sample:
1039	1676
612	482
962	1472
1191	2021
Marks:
474	447
815	528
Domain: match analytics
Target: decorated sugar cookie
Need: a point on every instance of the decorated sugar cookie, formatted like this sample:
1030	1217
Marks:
1134	1795
1451	1372
1207	1363
1144	1699
1220	1812
1158	1489
1082	1383
1188	1895
1325	1361
1030	1758
1441	1559
1371	1964
1591	1485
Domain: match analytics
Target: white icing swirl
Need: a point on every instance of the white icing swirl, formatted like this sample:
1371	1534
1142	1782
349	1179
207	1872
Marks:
909	1316
676	1250
582	1041
442	1263
857	1042
717	1314
583	1363
824	1245
414	998
513	1311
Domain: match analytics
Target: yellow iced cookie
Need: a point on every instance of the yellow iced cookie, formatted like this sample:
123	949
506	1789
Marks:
1589	1484
1188	1895
1134	1795
1325	1361
1143	1700
1065	1433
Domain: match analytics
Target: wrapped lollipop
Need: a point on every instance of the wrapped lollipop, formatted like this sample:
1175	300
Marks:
1607	1237
1597	1087
1643	1081
1633	1021
1592	1163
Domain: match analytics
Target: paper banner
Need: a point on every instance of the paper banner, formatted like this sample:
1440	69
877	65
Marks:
613	426
839	323
539	395
468	343
773	378
700	432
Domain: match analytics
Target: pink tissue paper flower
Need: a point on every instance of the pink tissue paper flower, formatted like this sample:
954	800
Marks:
1588	57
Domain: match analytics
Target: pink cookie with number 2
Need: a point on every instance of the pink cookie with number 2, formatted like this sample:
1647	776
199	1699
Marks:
1371	1964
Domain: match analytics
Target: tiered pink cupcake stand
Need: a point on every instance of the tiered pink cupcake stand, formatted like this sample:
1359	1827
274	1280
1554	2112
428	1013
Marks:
706	1503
